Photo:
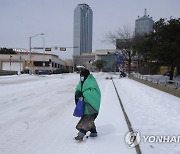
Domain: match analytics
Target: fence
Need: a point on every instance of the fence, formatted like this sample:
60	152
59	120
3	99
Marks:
172	87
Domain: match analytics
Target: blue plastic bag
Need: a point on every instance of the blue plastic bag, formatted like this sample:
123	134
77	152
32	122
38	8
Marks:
79	109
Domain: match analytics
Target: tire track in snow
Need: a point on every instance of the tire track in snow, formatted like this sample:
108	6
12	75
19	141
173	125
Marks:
16	131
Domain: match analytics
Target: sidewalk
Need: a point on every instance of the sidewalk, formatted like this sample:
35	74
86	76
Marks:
111	125
152	112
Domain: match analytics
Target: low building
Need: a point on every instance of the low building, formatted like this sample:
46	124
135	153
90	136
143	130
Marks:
22	62
84	60
109	56
69	65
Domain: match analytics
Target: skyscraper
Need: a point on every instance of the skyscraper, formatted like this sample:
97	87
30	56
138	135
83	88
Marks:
144	25
83	21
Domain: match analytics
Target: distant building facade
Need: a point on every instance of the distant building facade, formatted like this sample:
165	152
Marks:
84	60
144	25
20	62
110	57
83	25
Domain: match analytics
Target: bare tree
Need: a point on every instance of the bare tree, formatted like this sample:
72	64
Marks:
123	39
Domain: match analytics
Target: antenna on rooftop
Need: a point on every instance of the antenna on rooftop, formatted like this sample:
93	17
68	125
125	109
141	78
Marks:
145	12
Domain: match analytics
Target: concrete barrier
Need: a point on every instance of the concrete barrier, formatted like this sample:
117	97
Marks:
2	72
165	88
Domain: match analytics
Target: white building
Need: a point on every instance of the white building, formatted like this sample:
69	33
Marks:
40	61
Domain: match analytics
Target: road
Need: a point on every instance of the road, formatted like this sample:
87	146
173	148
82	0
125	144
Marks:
36	116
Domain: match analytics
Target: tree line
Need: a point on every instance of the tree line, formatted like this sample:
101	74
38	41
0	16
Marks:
7	51
160	47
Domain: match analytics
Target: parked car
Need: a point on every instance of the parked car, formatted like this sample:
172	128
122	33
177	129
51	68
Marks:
43	72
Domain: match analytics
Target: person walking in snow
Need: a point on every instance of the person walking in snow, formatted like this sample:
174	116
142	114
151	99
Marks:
88	89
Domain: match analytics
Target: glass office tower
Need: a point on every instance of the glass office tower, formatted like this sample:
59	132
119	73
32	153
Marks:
144	25
83	21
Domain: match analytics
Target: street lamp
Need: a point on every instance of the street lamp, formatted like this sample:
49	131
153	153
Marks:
10	61
30	56
43	53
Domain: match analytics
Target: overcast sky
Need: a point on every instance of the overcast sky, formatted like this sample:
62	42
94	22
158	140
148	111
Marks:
20	19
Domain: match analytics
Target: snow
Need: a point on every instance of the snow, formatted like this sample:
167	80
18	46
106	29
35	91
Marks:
152	112
36	116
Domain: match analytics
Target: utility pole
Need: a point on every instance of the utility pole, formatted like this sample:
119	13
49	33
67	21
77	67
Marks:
30	54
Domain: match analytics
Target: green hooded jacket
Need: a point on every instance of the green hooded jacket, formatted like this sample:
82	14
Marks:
91	94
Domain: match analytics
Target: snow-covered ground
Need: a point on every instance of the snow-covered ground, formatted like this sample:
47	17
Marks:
36	116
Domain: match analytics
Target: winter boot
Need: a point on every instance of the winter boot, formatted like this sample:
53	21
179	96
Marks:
80	136
93	132
93	135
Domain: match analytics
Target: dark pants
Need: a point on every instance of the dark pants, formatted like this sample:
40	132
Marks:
86	124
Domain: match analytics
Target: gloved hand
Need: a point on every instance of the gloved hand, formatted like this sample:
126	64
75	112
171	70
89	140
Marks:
78	94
